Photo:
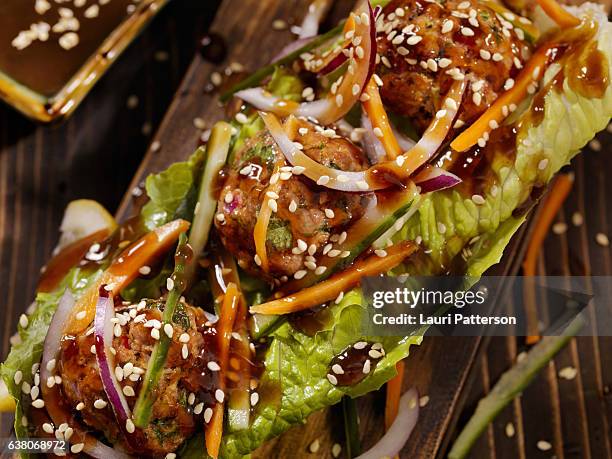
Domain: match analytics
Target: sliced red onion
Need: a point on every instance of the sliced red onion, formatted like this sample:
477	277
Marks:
55	332
316	11
334	106
435	179
99	450
396	437
372	146
93	447
103	333
291	47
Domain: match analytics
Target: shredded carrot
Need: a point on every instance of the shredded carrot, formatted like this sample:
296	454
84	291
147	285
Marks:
260	233
225	326
379	119
330	289
556	197
68	257
533	72
558	14
123	271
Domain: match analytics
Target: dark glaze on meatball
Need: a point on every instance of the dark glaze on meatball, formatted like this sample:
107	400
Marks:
307	215
173	419
424	45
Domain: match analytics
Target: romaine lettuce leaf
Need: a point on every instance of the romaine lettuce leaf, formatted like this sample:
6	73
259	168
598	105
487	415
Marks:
570	121
28	351
296	368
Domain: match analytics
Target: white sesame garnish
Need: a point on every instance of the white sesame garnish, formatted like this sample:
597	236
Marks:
337	369
332	379
48	428
447	26
367	366
254	398
184	351
38	403
323	180
413	40
336	450
155	334
213	366
219	395
208	412
577	219
80	406
543	164
486	55
18	377
184	338
100	404
509	430
170	283
300	274
329	213
568	373
543	445
466	31
602	239
338	300
478	199
129	426
559	228
128	391
198	408
23	321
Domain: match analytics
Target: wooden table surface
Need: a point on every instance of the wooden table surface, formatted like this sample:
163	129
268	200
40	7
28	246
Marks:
97	152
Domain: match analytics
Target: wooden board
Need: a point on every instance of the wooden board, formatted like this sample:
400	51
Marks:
95	154
441	367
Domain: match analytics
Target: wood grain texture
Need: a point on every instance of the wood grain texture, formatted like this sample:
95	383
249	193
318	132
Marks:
95	155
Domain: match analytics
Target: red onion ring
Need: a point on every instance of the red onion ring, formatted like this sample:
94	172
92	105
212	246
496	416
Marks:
316	11
93	447
103	333
396	437
334	106
436	179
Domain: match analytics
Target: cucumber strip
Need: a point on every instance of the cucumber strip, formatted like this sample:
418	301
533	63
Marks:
511	384
255	78
157	361
351	427
217	149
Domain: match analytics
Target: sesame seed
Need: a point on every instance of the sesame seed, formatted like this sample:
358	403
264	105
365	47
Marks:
23	321
440	114
367	366
169	283
374	354
336	450
320	270
155	334
25	387
257	260
213	366
360	345
447	26
219	395
337	369
300	274
208	412
48	428
332	379
69	40
463	5
486	55
170	456
559	228
168	330
568	373
198	408
323	180
543	445
144	270
510	430
595	145
423	401
577	219
129	391
184	338
467	32
241	118
602	239
509	84
478	199
100	404
314	446
129	426
184	351
279	24
414	39
292	206
254	398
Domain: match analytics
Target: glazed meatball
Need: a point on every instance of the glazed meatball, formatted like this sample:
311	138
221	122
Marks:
424	46
173	419
307	215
